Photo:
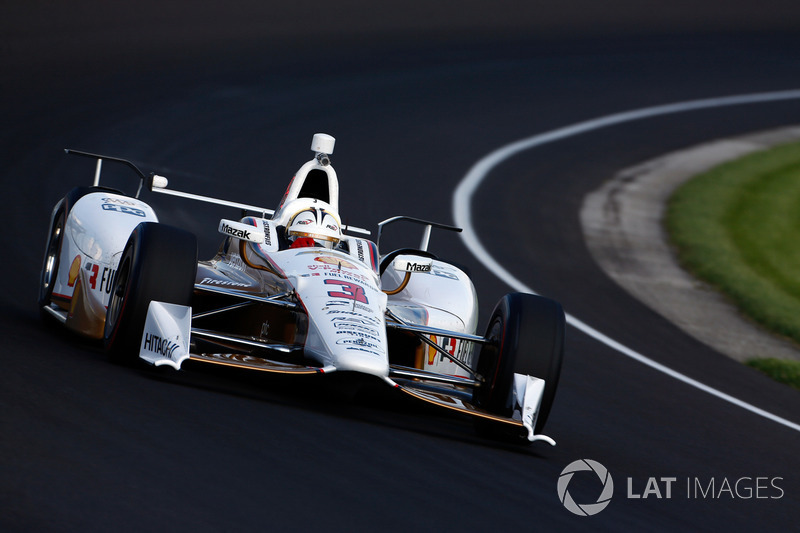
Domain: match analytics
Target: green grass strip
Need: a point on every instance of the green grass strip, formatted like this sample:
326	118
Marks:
783	370
737	227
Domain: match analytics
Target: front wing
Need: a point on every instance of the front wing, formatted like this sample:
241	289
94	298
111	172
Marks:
168	332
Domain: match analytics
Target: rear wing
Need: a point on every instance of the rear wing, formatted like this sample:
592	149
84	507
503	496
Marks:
99	167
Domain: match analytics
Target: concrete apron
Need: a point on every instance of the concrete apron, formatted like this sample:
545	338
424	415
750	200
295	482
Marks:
623	227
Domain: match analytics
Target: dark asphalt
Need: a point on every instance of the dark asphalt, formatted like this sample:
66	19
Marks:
89	446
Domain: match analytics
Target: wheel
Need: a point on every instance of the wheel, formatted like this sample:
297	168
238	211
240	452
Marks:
158	263
52	253
528	338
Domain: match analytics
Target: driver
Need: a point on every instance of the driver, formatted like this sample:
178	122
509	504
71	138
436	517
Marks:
314	226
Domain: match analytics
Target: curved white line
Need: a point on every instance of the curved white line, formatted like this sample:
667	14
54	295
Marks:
462	212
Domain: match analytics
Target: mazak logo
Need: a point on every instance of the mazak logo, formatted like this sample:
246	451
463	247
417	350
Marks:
605	481
235	232
417	267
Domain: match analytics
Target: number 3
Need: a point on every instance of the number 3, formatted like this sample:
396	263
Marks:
350	291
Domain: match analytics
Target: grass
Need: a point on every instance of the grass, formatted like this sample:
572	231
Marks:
782	370
737	227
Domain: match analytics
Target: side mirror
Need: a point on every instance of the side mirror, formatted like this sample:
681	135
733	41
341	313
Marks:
409	264
245	232
412	263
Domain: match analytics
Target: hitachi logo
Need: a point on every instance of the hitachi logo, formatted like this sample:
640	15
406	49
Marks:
239	233
155	344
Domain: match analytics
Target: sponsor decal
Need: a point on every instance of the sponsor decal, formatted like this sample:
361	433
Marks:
118	201
352	320
443	273
74	268
312	251
123	209
355	329
155	344
247	230
334	271
448	344
360	250
358	332
235	260
368	319
222	282
106	280
358	349
410	264
328	260
348	290
417	267
93	269
267	235
234	232
97	281
360	342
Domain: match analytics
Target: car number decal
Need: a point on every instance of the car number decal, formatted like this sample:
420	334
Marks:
350	291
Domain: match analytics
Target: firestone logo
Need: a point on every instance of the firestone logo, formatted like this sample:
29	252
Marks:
585	509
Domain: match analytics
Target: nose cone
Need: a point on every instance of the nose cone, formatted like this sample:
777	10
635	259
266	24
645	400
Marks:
365	363
349	342
345	306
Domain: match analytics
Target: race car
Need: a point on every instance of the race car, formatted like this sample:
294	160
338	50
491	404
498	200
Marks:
294	291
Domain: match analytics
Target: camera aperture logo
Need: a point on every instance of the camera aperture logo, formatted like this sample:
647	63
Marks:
594	478
585	509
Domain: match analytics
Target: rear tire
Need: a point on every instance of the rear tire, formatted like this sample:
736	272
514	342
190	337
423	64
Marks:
158	263
528	331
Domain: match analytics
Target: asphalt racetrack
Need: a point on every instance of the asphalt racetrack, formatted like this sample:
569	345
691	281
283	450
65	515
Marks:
86	445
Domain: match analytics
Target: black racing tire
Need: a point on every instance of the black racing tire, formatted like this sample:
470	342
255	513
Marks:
52	253
528	334
158	263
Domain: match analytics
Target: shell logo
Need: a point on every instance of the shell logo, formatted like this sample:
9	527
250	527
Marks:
74	269
448	344
328	260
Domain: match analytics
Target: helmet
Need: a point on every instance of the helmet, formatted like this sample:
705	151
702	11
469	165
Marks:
315	223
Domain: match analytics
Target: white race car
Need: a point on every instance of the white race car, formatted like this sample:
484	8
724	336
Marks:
293	291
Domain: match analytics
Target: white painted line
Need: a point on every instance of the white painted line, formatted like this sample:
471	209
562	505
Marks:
462	213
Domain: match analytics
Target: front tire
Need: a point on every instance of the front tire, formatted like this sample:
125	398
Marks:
52	254
158	263
528	334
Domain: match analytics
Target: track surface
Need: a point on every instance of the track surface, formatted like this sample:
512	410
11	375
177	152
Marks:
90	446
